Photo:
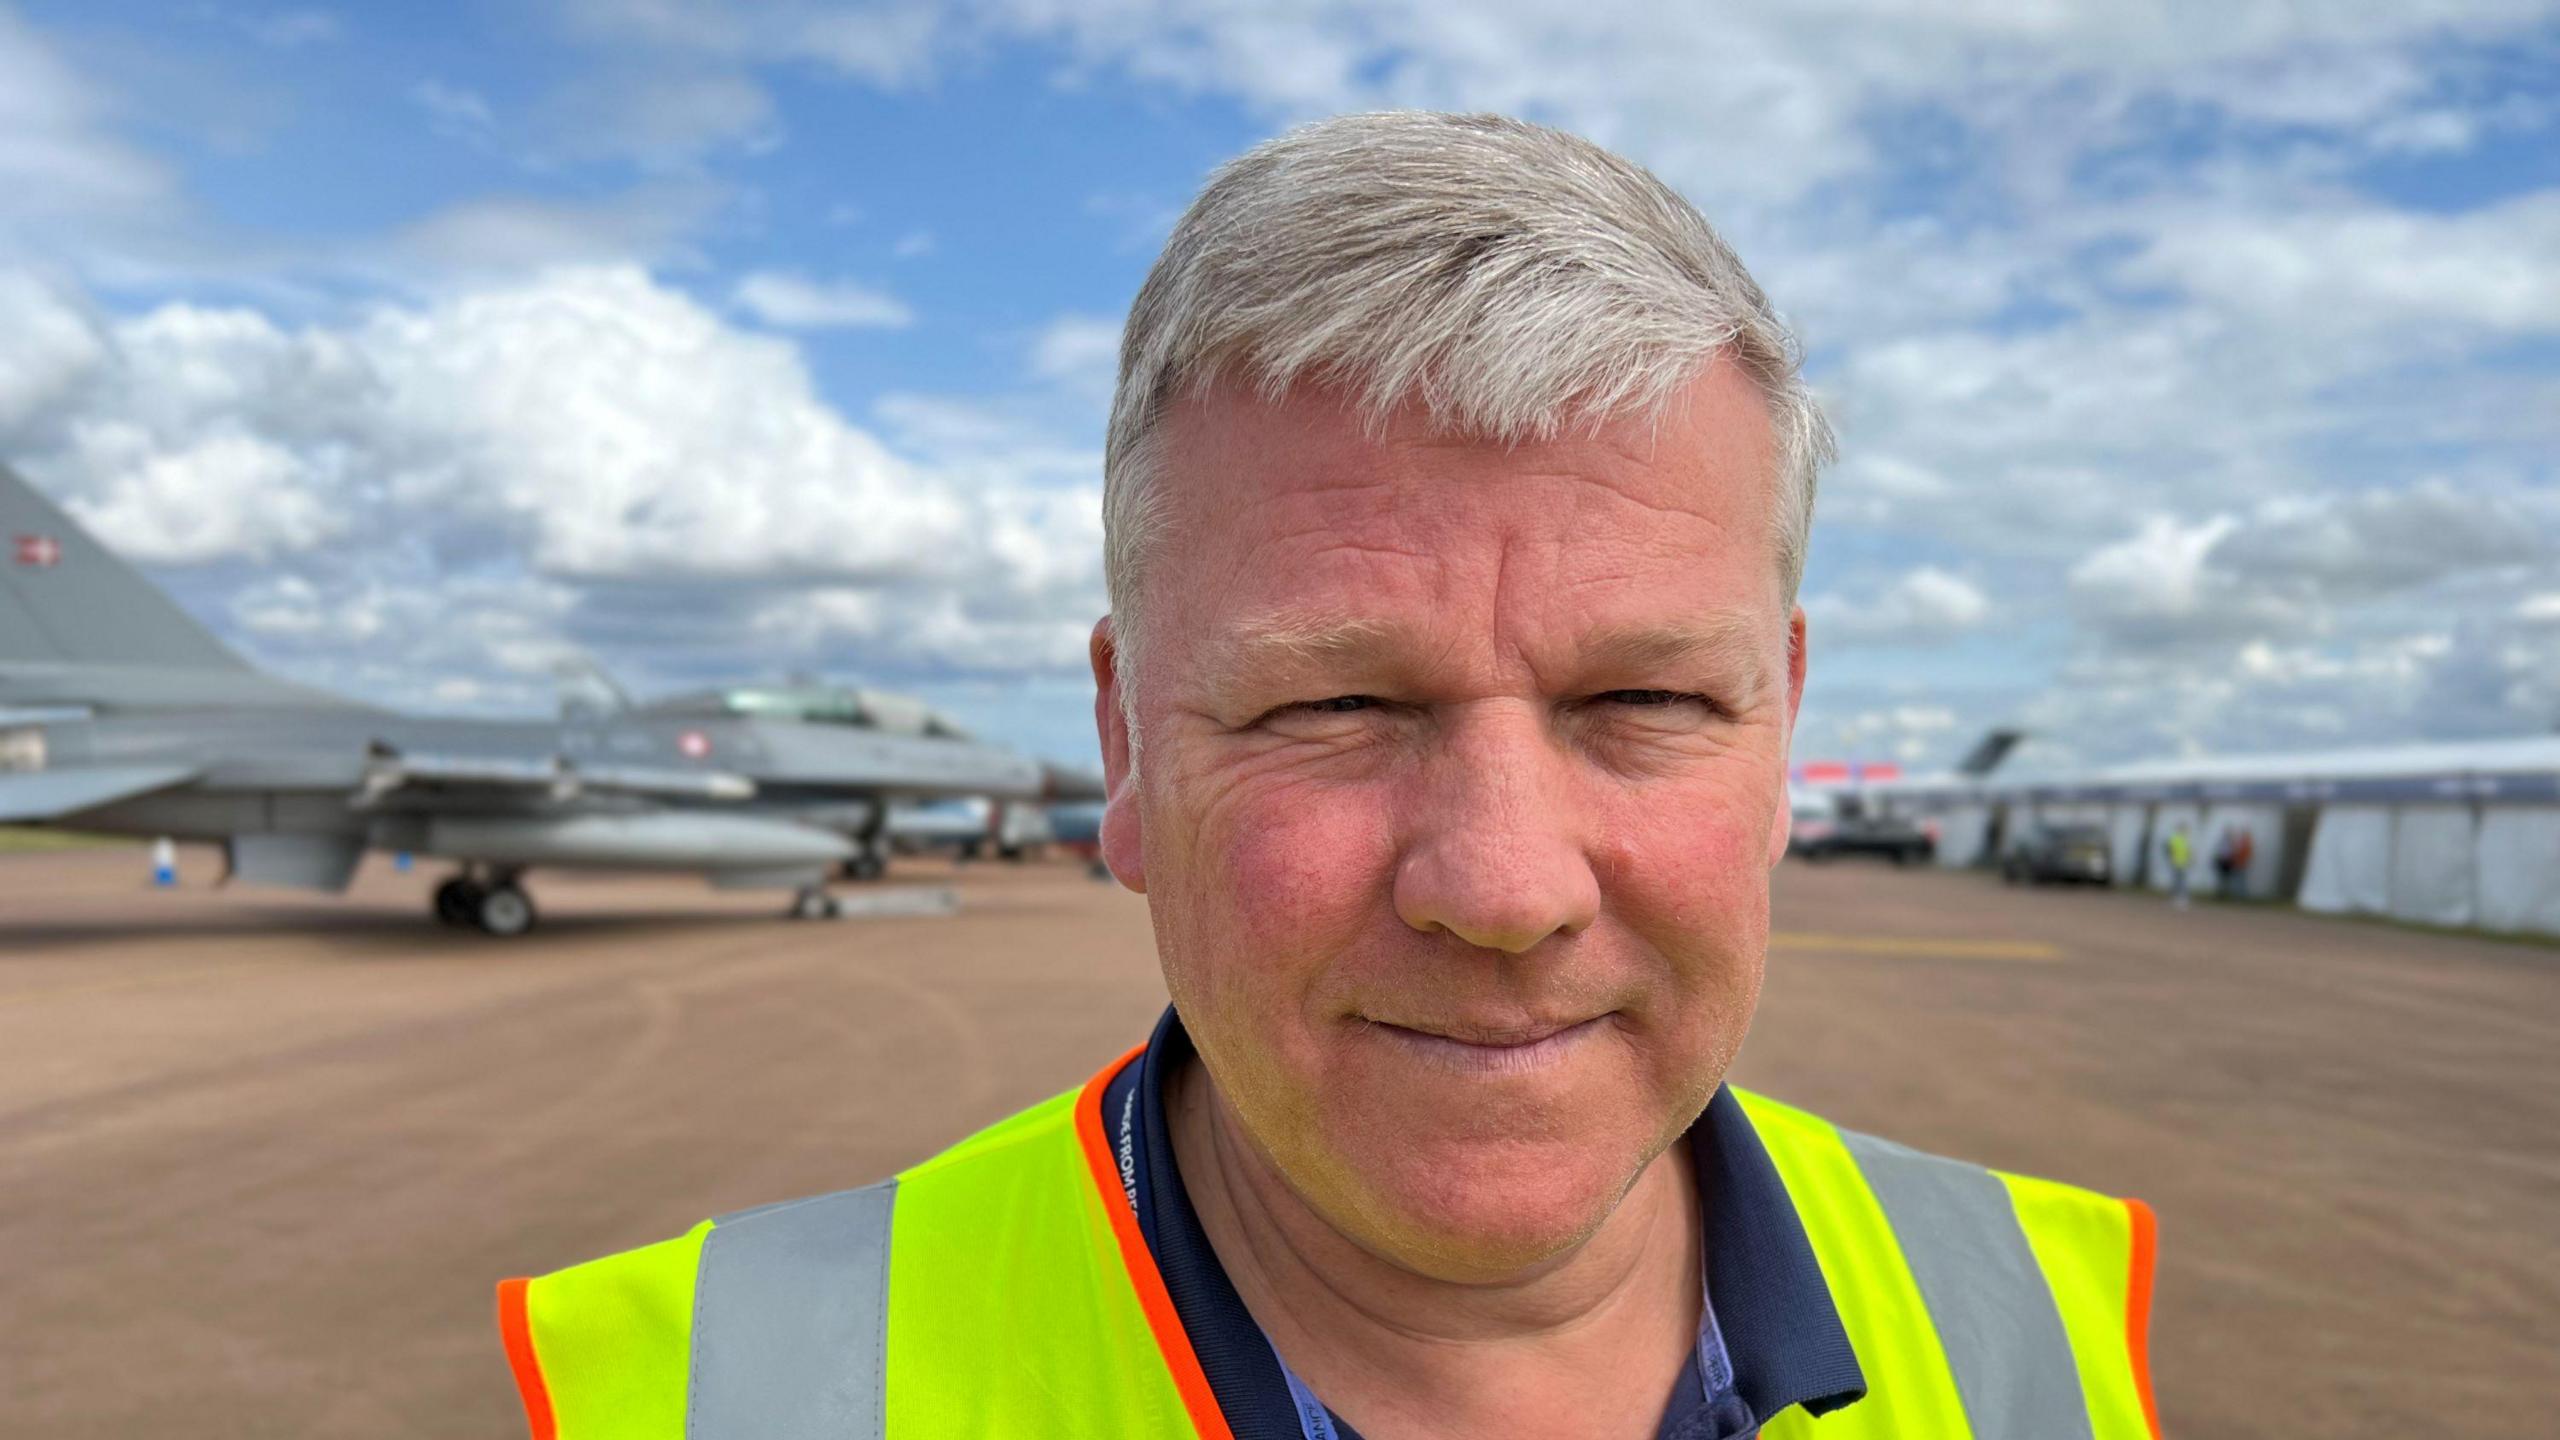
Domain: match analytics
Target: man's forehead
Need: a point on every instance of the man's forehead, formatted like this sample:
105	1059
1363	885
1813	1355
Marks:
1296	533
1713	436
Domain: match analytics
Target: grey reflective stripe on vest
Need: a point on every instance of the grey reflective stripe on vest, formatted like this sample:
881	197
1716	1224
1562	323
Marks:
791	1321
1994	1311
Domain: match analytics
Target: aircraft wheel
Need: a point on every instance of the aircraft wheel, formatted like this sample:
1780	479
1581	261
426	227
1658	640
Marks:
457	902
505	911
813	903
865	867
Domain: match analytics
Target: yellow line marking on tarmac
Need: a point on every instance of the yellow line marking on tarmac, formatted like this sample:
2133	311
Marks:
1948	949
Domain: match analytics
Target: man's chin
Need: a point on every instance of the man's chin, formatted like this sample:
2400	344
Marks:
1484	1214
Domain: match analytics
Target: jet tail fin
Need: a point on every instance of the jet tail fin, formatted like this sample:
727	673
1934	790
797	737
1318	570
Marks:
65	599
1989	751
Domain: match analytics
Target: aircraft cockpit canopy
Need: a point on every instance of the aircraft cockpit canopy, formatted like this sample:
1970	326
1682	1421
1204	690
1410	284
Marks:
819	705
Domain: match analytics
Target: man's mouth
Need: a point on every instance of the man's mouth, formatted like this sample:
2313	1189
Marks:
1473	1049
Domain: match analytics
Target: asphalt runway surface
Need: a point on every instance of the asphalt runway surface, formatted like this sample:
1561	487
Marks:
262	1158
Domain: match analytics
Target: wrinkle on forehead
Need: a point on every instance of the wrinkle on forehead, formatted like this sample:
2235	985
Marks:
1736	643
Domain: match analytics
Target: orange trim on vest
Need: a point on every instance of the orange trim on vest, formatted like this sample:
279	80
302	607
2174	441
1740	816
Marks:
2137	1305
1189	1380
515	1328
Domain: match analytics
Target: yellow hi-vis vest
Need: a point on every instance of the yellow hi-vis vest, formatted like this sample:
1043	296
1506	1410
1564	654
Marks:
1003	1289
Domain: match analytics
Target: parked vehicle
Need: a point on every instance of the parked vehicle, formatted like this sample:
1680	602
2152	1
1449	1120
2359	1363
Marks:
1825	827
2070	853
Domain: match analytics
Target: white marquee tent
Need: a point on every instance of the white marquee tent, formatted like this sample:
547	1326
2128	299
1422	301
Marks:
2454	834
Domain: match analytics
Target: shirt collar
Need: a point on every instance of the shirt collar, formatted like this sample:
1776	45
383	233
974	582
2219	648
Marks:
1780	1326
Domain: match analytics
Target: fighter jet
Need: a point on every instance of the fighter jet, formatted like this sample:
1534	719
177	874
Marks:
119	713
1011	828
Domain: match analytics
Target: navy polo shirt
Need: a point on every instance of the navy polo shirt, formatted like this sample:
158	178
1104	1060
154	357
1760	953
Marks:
1770	1338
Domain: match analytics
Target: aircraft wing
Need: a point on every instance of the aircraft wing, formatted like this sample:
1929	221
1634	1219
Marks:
53	794
412	779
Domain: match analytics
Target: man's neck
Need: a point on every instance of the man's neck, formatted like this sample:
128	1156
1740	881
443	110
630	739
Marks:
1588	1344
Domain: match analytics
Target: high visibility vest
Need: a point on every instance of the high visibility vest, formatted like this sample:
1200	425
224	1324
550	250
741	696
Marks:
1002	1288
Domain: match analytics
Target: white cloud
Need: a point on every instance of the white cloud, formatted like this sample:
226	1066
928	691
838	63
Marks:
293	29
1905	732
53	346
2156	574
1925	603
796	302
57	159
515	234
2350	546
226	493
914	245
1759	106
665	118
589	453
2400	278
2295	565
636	434
1073	349
454	110
885	44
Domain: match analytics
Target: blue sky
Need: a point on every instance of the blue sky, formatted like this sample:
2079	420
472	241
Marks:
2197	367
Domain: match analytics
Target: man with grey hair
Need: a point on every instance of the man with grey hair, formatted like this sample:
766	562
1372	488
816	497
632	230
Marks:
1455	505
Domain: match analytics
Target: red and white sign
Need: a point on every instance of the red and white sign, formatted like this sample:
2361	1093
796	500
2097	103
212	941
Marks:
42	551
694	745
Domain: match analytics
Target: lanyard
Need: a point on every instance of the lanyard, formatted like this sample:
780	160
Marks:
1314	1421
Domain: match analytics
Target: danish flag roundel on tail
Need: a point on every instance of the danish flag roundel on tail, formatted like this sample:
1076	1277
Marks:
41	551
694	745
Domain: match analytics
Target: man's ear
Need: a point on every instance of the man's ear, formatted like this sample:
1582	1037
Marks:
1120	838
1785	820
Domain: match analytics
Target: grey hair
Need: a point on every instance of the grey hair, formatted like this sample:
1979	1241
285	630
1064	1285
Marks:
1513	280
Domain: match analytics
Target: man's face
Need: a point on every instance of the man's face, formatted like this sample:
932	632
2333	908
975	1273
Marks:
1463	771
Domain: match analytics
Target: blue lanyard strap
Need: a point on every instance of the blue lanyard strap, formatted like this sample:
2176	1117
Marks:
1314	1421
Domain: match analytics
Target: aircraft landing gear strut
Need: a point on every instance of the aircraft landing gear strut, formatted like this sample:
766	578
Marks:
490	900
871	860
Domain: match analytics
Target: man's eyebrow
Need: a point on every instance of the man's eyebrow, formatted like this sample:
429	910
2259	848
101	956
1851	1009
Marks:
1641	647
1734	640
1262	644
1298	636
1725	636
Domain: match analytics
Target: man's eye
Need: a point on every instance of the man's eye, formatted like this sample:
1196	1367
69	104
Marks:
1647	697
1336	705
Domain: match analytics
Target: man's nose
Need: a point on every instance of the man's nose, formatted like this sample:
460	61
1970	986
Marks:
1494	851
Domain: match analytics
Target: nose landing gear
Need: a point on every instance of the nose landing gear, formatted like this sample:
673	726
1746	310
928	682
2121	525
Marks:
814	903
